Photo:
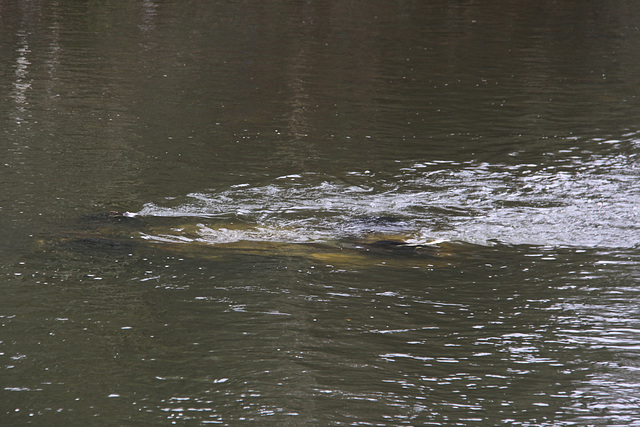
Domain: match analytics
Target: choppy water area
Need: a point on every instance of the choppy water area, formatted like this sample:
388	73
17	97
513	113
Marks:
258	149
575	197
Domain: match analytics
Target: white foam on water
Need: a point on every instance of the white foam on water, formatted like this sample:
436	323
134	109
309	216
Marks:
574	201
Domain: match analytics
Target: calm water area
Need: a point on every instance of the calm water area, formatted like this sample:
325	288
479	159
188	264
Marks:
355	213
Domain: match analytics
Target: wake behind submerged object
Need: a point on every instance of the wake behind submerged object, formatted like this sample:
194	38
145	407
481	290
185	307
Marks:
369	241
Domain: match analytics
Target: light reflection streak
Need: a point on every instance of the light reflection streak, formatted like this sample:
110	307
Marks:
22	83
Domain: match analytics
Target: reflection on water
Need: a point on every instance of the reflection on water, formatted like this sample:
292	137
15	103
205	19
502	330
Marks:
268	149
520	336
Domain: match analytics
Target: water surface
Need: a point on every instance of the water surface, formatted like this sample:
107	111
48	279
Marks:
252	141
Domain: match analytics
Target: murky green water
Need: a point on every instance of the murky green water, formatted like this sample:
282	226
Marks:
266	149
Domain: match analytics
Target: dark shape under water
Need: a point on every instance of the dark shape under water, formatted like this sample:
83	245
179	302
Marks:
122	232
396	248
96	244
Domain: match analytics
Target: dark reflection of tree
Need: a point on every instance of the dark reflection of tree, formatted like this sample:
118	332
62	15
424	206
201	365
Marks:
69	106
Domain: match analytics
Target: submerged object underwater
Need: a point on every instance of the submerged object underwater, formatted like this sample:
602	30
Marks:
370	241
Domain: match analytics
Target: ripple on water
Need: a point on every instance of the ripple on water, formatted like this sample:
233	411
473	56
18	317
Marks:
591	202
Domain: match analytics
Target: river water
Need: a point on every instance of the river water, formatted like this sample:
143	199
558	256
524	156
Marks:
257	147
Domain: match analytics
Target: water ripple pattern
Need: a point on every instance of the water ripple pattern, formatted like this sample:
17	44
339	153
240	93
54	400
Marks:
573	198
